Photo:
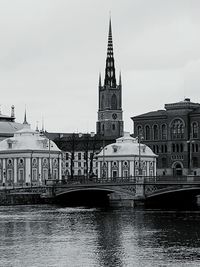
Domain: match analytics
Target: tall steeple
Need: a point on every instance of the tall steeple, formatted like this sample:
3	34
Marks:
110	79
110	115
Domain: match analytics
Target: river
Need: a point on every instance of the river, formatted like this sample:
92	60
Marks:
58	236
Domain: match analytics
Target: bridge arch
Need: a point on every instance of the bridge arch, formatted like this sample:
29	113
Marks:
174	196
92	195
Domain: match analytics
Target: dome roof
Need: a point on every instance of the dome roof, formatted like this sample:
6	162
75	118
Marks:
126	146
27	139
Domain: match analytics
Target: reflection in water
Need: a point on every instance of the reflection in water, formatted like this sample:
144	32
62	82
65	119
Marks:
54	236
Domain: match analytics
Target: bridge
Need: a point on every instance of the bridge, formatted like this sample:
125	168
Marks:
128	191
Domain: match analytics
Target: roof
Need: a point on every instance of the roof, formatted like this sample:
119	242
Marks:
27	139
126	146
9	127
156	113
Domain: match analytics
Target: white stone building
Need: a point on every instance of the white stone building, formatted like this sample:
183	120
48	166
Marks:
28	159
125	158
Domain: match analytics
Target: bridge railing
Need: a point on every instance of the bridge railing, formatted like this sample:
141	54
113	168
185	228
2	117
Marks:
95	180
124	180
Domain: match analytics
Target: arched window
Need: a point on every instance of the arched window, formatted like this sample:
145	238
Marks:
177	148
155	132
181	147
113	102
177	129
194	130
147	132
197	148
173	147
164	131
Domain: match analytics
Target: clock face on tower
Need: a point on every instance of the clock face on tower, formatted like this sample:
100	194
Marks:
114	116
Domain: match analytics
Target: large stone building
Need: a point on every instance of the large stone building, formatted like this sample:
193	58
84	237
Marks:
81	149
174	135
28	159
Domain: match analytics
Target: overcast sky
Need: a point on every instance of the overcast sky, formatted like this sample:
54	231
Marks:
51	53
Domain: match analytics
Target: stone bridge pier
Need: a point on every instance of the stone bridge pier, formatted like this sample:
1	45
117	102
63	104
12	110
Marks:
133	194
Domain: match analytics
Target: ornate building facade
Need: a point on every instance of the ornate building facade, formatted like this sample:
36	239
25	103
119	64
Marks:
28	159
174	135
126	158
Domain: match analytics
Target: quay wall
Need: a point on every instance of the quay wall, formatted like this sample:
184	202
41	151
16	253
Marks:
27	196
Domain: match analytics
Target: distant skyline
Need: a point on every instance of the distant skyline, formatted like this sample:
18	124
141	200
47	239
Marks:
51	53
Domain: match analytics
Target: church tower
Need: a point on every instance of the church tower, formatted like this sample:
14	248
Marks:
110	121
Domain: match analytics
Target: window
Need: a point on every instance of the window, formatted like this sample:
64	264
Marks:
165	148
55	174
79	156
177	129
194	130
79	164
147	132
125	174
164	131
21	175
67	156
34	175
114	174
45	174
9	175
9	145
155	132
113	127
181	147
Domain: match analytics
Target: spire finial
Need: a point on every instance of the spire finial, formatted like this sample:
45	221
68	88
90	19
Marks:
42	124
12	111
99	79
37	129
120	78
25	121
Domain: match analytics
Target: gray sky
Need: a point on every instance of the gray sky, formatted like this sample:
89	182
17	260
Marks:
51	52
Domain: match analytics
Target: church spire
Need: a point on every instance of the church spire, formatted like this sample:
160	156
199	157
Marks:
110	79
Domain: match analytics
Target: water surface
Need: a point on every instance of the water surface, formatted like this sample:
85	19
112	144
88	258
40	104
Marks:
55	236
